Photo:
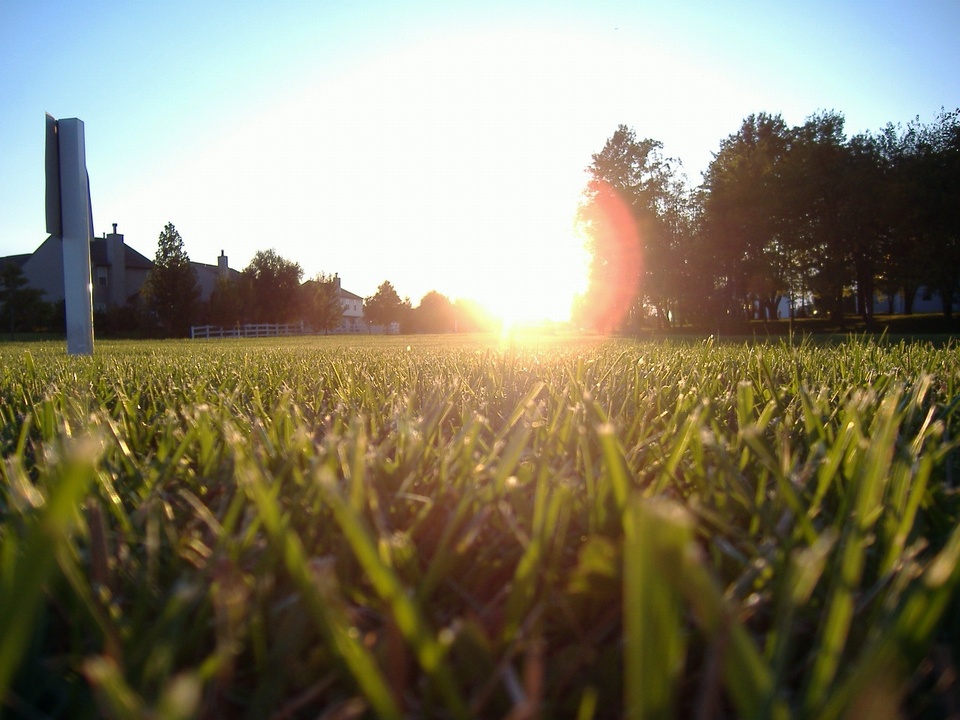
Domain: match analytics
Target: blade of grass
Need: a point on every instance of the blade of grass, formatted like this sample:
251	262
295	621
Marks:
869	482
361	663
656	534
746	676
409	620
892	650
25	573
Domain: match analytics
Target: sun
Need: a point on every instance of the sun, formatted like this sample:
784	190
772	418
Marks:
537	282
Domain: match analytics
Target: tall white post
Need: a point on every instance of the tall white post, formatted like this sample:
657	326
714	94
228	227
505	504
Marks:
77	232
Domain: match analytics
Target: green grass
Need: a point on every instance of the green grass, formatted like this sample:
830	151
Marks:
458	527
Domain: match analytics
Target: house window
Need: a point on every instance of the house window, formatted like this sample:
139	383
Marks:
102	276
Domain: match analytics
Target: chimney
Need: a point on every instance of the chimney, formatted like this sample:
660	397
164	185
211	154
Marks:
117	272
336	280
222	266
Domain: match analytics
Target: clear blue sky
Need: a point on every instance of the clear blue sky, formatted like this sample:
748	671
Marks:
438	145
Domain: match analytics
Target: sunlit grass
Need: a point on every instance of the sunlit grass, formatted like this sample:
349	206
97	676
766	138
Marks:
470	527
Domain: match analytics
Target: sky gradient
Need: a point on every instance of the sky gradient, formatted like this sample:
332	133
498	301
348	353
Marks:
440	146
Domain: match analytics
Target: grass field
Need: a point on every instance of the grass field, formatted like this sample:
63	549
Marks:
458	527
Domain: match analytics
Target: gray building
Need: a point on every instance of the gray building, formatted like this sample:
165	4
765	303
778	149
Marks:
118	272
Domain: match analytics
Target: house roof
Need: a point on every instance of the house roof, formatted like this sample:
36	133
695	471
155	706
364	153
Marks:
203	266
347	295
341	293
133	259
213	270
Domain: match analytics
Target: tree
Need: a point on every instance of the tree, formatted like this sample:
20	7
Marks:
939	161
636	216
274	284
434	314
21	307
817	191
321	306
808	212
171	290
226	303
385	307
863	184
899	272
615	259
743	218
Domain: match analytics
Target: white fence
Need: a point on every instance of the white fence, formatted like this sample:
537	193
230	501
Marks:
206	332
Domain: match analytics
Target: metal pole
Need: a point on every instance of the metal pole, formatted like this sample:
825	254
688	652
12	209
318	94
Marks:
77	226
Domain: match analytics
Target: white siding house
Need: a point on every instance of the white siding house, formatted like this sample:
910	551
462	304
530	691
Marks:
352	319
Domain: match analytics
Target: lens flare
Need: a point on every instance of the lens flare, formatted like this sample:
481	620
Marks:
617	262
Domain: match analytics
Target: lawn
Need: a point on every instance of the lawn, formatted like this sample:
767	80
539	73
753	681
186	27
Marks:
472	527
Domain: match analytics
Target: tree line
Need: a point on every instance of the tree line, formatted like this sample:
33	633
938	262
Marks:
271	289
800	217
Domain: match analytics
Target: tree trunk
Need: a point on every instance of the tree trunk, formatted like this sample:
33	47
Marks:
946	299
663	320
865	293
909	293
836	313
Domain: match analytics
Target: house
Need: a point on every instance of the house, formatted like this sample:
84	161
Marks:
117	271
17	260
207	275
925	300
352	319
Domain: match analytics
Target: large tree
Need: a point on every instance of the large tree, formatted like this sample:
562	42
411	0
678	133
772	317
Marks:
385	306
435	314
818	183
743	217
808	212
864	186
939	206
635	217
171	291
274	288
320	303
899	271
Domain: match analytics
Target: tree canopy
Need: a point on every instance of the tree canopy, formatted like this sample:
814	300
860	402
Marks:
636	218
320	303
272	288
435	314
803	214
171	291
385	306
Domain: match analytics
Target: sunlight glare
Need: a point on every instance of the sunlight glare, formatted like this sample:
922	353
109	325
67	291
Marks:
614	277
484	216
537	282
